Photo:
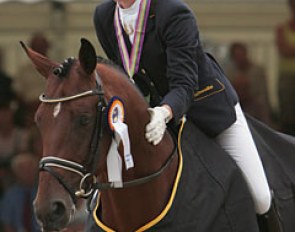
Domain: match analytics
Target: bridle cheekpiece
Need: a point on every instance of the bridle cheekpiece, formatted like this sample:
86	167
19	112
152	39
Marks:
49	162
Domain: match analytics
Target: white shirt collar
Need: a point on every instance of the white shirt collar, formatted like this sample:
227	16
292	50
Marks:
133	9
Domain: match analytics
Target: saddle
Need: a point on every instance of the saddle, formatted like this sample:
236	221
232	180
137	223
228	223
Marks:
277	152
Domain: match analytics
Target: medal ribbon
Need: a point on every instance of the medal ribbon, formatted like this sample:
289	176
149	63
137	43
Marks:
131	63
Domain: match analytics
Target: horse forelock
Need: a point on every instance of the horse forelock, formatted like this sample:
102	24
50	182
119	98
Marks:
68	78
64	68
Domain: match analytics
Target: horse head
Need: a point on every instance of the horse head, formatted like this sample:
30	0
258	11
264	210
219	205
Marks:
73	122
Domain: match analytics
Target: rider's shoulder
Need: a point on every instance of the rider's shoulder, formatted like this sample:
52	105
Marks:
104	7
171	7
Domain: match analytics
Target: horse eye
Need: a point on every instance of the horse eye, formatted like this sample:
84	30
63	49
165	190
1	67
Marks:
84	120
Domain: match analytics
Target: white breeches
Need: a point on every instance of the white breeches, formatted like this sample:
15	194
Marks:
238	142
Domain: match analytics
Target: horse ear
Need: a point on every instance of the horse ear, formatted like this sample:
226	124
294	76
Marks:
41	63
87	56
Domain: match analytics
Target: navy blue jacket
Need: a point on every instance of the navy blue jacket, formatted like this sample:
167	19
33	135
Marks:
187	79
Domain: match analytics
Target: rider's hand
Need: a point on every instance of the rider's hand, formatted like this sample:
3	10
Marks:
154	131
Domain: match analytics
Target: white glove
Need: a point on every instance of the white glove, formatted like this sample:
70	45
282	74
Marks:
155	130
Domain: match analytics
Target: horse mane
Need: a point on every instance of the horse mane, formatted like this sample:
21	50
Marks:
114	77
103	60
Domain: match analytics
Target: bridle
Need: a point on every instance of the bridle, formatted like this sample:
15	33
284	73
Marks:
49	162
86	190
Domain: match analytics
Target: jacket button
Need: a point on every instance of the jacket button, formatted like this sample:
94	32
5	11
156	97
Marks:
143	71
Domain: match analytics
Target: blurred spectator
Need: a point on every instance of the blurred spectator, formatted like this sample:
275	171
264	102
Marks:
249	80
35	141
28	84
285	41
6	92
12	140
16	212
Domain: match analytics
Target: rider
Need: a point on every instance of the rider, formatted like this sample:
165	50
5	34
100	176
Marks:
170	67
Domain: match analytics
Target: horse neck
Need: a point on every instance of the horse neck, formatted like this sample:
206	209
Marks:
151	197
136	117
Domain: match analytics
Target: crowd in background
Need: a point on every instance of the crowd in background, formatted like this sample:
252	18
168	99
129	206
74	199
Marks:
285	41
21	145
250	80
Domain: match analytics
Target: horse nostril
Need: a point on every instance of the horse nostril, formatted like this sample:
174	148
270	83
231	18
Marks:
54	215
58	209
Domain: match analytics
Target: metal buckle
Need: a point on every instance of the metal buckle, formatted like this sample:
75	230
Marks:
83	192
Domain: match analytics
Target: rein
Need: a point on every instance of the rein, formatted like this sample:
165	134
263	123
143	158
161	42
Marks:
86	189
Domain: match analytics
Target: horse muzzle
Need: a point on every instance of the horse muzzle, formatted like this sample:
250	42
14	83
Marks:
54	215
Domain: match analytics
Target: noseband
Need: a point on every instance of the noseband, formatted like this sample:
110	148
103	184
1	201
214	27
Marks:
86	189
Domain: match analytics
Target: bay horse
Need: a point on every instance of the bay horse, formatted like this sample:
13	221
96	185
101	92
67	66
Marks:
196	187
